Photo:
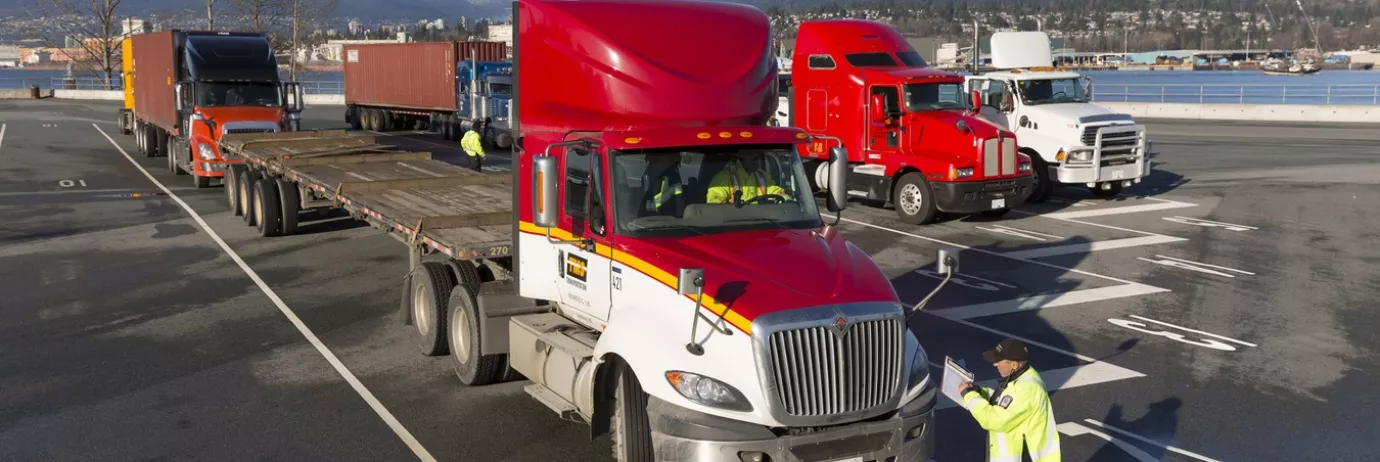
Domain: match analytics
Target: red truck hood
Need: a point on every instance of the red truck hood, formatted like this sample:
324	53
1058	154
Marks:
760	272
222	114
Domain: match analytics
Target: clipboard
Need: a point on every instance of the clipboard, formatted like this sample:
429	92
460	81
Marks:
955	374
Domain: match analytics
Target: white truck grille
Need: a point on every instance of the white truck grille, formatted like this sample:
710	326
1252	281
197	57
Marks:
1110	140
818	372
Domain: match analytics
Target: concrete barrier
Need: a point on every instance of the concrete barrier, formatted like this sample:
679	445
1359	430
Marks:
323	100
102	95
1249	112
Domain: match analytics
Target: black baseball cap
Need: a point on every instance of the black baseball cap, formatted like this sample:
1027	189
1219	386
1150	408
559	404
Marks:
1009	349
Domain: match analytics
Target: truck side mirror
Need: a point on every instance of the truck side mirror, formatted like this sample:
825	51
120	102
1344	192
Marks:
178	91
544	191
878	111
690	280
292	97
838	179
975	97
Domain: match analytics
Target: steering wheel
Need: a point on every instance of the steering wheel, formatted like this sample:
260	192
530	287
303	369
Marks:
776	199
1057	93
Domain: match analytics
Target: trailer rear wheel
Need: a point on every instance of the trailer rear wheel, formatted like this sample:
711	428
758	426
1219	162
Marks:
914	200
431	286
149	145
353	115
232	189
632	430
164	142
290	204
472	368
389	121
246	185
139	136
266	213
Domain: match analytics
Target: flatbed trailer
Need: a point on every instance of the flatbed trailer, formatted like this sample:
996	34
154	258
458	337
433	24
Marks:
433	205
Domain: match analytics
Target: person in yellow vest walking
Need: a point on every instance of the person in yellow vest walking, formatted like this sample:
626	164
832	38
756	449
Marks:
1017	414
473	147
740	181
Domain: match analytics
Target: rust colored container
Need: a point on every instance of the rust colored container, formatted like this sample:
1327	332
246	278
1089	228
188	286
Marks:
418	75
154	76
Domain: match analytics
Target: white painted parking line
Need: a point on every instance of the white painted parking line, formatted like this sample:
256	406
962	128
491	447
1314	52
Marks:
1069	377
340	368
1075	203
1162	205
1195	266
1199	332
1085	247
2	134
1077	429
1209	223
1024	233
1150	442
1039	302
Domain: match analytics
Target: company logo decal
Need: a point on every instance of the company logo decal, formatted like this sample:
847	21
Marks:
576	269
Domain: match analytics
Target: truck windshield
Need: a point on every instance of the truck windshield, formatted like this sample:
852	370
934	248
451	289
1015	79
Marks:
1049	91
214	94
691	191
934	96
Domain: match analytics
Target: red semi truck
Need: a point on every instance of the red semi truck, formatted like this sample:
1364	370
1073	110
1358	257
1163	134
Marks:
440	86
195	87
690	329
912	135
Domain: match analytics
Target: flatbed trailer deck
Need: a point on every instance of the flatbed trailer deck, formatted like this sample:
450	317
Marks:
463	214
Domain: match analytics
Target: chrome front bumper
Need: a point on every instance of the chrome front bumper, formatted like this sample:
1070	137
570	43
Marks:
1132	171
680	435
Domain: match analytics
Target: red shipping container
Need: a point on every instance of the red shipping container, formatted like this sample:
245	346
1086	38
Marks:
418	75
154	77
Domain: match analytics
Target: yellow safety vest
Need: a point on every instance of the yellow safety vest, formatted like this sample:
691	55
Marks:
1021	418
470	143
721	191
666	194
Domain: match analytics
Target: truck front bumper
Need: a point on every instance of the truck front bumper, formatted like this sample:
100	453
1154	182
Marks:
907	435
1075	174
979	196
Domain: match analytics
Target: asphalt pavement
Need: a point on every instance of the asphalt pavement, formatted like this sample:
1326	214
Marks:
1216	312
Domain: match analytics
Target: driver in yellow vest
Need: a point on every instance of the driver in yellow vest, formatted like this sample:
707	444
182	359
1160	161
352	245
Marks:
1017	414
742	176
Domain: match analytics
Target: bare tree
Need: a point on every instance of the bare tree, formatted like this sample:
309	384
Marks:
318	9
210	15
263	15
95	26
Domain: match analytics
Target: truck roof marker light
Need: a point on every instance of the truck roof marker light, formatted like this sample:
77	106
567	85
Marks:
632	140
703	136
745	134
725	135
801	136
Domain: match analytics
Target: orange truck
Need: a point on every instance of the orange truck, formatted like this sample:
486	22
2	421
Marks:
184	90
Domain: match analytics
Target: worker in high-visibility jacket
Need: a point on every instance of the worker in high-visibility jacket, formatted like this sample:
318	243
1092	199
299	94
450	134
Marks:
1017	414
473	147
740	181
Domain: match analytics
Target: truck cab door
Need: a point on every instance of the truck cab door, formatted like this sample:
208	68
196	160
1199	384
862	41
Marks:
584	266
884	121
992	93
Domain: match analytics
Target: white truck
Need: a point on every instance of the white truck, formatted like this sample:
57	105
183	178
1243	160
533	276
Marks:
1070	140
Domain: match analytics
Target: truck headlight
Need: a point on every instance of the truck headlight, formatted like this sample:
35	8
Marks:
1081	156
917	370
956	173
204	150
707	391
1023	167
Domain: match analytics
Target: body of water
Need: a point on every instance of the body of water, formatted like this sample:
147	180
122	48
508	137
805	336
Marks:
1339	87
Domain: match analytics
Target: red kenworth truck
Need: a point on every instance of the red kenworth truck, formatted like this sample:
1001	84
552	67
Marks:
912	135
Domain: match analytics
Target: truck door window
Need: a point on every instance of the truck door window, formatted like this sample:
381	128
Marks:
891	96
821	62
576	181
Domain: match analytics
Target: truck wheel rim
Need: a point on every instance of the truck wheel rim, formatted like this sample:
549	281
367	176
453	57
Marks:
910	199
419	314
244	195
460	342
259	210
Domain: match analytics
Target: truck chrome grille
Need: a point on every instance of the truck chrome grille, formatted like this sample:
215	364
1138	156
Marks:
1008	156
1121	139
818	372
231	131
990	154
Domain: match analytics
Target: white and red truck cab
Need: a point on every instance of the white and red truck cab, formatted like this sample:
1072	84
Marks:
912	132
687	328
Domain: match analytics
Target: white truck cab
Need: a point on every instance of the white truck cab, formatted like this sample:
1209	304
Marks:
783	89
1069	139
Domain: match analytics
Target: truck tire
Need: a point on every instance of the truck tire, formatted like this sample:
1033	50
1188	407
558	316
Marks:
139	136
472	368
267	217
352	115
290	204
1099	192
176	153
1044	185
389	121
164	142
246	185
632	430
447	128
914	200
201	182
419	124
431	287
232	189
149	145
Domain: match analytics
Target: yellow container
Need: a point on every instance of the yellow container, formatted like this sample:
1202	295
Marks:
127	67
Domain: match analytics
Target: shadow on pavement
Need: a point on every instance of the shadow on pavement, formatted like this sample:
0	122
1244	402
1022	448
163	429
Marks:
1160	423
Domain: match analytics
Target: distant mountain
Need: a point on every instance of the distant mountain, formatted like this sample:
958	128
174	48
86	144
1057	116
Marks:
366	10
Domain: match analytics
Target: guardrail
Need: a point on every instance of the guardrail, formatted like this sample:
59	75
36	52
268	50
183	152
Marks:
60	83
1316	94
